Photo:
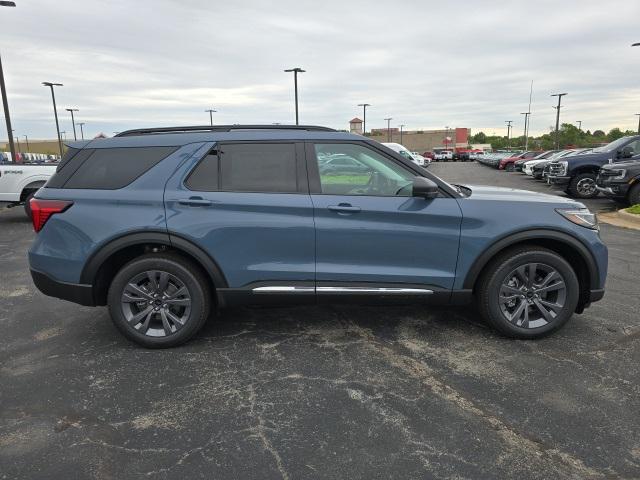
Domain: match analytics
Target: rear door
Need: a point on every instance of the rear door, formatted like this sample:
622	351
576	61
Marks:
370	231
247	205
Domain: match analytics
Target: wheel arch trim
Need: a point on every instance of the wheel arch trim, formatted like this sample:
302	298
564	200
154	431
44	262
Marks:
97	259
530	235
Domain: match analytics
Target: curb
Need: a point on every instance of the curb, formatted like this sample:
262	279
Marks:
629	217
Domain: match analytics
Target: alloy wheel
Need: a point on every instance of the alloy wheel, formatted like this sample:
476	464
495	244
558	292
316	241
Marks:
156	303
532	295
586	186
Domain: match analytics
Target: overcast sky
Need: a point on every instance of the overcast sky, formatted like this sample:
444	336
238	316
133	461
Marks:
426	64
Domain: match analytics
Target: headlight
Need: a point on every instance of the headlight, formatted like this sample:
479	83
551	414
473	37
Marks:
582	217
564	164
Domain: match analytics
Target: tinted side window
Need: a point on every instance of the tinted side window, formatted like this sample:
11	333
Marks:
112	168
68	167
248	167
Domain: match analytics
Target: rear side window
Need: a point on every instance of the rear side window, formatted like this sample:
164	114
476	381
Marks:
247	167
112	168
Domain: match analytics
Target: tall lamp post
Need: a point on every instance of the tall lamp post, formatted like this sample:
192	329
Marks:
401	127
295	71
559	95
211	112
579	122
81	124
26	139
55	110
508	122
638	114
73	121
388	120
526	131
5	102
64	134
364	116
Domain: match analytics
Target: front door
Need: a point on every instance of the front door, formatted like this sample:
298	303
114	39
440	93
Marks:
370	231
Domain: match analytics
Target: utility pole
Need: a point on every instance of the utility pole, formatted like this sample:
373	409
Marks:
26	139
73	122
364	116
508	122
211	112
638	114
526	132
5	101
401	127
81	124
55	110
559	95
295	71
388	120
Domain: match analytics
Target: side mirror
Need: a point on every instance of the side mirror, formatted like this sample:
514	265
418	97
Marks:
425	188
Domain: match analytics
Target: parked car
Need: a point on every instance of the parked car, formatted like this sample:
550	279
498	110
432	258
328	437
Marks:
404	151
420	160
519	164
493	159
578	173
341	165
162	225
527	167
443	155
20	181
621	181
540	171
507	163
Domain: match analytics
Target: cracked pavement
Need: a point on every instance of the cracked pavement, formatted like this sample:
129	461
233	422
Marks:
320	392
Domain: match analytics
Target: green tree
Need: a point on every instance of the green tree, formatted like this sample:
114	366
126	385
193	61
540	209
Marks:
614	134
479	137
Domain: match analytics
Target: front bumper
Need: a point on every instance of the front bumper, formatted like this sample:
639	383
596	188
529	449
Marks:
73	292
612	189
558	180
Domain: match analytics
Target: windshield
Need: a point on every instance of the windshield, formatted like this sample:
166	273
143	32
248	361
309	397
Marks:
612	146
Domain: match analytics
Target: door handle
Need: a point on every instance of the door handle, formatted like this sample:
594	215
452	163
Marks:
195	202
344	208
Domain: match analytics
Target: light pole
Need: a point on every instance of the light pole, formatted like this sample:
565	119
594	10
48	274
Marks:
211	112
401	127
364	116
526	132
508	122
55	110
26	139
638	114
295	71
5	102
73	121
81	124
559	95
579	122
388	120
446	138
64	134
16	139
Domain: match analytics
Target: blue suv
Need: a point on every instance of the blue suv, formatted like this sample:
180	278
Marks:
164	225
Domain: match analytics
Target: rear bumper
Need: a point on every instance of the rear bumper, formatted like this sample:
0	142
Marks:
73	292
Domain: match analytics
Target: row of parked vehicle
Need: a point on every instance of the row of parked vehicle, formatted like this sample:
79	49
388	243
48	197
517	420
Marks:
27	157
613	169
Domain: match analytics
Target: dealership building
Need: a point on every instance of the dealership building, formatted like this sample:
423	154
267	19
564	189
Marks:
418	140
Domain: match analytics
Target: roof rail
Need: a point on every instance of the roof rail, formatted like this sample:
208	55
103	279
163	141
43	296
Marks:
220	128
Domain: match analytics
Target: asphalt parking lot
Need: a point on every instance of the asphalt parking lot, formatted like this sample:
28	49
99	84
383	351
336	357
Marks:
335	392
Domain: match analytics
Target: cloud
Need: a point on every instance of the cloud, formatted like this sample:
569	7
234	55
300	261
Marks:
426	64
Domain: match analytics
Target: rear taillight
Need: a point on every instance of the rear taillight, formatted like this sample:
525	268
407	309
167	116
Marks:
42	209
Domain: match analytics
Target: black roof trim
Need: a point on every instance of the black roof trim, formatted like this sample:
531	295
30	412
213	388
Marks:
220	128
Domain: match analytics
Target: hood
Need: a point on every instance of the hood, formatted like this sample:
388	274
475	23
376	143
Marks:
586	156
632	162
484	192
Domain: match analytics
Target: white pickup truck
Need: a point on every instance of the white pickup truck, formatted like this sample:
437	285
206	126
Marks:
19	181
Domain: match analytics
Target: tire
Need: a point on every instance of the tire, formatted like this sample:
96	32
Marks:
583	186
169	324
634	194
27	205
510	167
491	289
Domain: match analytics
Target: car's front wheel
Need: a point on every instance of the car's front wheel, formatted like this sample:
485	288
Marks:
583	185
159	300
510	167
634	194
528	292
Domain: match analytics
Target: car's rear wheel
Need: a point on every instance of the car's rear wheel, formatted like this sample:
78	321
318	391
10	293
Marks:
159	300
528	292
583	185
634	194
27	205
